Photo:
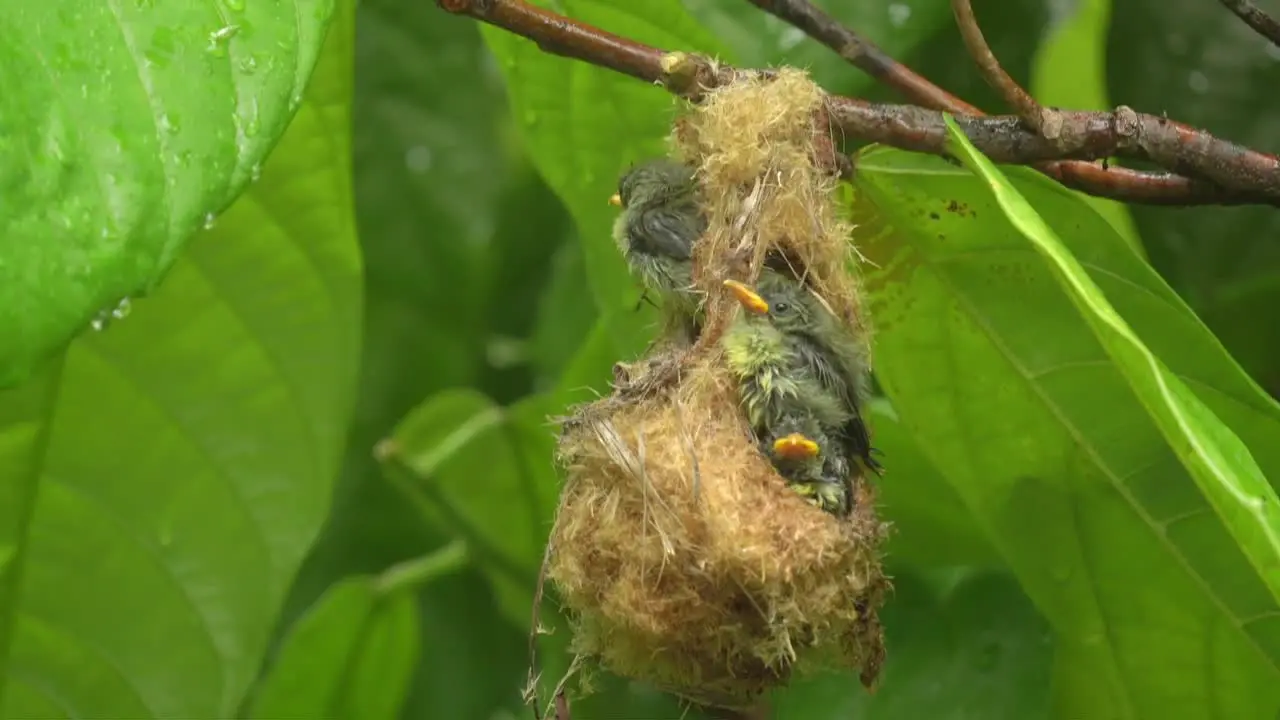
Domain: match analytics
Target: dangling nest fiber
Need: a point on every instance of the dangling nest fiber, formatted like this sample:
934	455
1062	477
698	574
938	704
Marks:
682	556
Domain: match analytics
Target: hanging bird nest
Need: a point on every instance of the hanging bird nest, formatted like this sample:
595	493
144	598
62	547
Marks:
682	557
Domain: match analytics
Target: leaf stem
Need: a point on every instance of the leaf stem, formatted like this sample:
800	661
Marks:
421	570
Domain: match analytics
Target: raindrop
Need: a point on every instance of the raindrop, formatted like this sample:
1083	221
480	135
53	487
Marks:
251	118
165	123
219	38
210	220
1198	82
899	14
122	308
418	159
98	323
249	65
223	34
255	173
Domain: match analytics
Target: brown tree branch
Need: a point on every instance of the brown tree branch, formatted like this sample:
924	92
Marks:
1235	175
1260	21
1046	122
1114	182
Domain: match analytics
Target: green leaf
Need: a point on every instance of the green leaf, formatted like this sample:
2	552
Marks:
128	125
1219	462
1210	67
352	654
1005	387
24	435
1069	70
975	649
193	447
583	125
931	526
308	677
566	316
456	457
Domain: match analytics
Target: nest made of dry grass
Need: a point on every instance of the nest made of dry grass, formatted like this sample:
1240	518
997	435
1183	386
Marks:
682	556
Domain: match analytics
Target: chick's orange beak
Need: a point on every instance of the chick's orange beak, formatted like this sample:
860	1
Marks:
748	297
615	200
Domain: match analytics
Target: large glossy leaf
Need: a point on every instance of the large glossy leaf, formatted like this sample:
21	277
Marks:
1199	64
128	125
931	527
352	654
974	648
1070	71
1023	410
193	448
1218	461
584	125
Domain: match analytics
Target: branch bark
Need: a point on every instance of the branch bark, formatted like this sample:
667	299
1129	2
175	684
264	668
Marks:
1047	123
1227	174
1260	21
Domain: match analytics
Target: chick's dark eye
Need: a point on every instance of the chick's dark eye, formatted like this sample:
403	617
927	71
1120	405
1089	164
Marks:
781	307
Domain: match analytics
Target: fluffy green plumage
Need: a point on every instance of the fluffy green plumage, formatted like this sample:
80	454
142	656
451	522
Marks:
659	223
794	360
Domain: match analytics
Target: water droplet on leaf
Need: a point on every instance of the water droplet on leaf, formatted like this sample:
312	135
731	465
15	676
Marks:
210	220
219	38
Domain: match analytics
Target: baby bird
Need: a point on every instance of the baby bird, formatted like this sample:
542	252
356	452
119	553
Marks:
793	358
796	444
659	223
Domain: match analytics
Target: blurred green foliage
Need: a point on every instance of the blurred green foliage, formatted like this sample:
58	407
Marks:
309	475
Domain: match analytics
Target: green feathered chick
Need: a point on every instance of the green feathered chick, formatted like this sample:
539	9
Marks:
659	224
795	443
793	361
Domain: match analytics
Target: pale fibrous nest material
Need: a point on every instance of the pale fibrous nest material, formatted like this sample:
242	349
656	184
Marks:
683	558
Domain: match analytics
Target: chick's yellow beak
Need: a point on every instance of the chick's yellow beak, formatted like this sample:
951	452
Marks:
748	297
615	200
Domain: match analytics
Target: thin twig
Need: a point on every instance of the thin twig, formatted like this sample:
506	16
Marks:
1260	21
864	55
1045	122
1233	175
1114	182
